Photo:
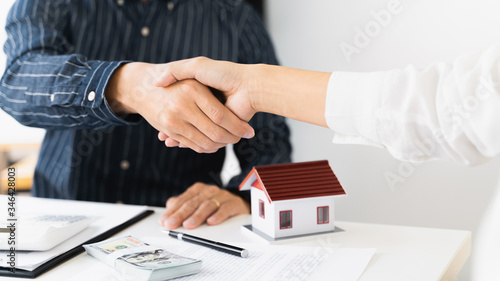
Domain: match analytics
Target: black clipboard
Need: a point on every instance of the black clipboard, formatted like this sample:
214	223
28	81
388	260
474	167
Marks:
73	252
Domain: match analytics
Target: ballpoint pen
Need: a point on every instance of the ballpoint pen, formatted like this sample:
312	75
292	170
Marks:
208	243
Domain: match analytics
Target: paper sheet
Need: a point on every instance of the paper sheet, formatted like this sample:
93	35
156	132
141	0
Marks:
106	217
272	262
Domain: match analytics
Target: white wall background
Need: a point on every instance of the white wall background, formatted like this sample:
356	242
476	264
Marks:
307	34
10	130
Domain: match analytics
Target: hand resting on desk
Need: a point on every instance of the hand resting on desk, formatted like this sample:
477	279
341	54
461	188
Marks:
202	202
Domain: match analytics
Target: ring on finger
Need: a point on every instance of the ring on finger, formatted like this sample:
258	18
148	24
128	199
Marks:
217	203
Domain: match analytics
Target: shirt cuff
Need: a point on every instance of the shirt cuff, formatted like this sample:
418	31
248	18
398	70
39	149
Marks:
94	90
352	108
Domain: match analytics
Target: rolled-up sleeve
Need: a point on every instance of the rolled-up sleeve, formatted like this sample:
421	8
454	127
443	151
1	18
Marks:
45	84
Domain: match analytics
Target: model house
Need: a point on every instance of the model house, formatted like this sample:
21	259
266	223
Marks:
292	199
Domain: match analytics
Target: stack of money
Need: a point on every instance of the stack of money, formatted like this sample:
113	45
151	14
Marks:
133	259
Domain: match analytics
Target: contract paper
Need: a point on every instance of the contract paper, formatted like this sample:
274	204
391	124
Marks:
273	262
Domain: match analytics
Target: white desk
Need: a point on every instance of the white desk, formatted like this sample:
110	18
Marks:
403	253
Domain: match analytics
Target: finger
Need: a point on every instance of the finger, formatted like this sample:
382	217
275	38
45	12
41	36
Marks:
211	117
183	206
162	136
180	70
213	73
209	127
205	209
175	202
204	151
184	212
171	207
196	190
184	125
230	128
172	204
163	218
169	219
169	142
199	142
233	206
196	141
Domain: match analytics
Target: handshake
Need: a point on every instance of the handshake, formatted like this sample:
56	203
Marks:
176	99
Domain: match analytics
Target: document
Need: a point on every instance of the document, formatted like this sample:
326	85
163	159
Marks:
105	217
272	262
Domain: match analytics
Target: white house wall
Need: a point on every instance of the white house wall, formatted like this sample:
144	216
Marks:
265	225
304	216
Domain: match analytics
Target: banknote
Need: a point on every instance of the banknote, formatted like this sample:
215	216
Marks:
133	259
119	244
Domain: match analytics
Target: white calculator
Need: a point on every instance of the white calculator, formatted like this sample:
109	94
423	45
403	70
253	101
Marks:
42	232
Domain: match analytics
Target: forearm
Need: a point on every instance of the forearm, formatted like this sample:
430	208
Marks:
124	91
58	92
294	93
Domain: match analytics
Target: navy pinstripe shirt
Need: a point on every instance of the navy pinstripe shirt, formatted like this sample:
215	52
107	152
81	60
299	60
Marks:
61	54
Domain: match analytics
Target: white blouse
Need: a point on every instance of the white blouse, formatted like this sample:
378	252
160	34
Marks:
447	111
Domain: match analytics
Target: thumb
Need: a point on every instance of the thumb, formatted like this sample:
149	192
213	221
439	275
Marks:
179	70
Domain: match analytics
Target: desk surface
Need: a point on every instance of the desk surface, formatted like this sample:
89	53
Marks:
403	253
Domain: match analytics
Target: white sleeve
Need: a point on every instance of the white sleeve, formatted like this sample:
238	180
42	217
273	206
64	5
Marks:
447	111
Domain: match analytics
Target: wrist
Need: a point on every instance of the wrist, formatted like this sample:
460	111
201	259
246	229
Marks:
258	86
120	89
294	93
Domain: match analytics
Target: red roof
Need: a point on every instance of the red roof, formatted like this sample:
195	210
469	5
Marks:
293	181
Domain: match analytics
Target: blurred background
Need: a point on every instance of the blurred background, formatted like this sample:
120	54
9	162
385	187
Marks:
310	35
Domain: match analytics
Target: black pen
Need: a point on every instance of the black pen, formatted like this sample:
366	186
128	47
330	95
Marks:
208	243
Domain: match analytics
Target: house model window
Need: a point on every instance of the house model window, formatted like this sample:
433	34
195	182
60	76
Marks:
292	199
323	214
285	219
262	212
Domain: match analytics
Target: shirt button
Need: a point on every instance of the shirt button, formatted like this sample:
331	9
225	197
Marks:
124	165
120	2
91	96
170	6
52	97
145	31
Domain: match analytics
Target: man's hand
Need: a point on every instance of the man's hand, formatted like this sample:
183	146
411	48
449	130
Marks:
202	202
187	111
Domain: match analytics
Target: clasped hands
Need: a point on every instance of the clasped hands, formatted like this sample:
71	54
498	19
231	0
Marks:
231	80
174	100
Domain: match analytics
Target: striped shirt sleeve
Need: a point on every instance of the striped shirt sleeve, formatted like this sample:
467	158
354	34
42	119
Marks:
45	84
